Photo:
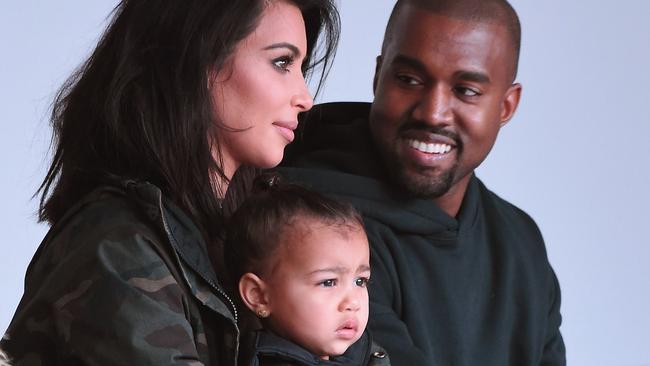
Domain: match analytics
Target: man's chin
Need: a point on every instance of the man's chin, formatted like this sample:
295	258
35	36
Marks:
422	185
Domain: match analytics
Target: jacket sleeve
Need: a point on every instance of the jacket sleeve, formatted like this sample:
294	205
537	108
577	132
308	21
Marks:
110	300
385	322
554	350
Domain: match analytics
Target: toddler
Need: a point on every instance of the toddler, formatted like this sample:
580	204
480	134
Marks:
301	264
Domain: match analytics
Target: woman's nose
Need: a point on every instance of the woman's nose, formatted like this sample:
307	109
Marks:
302	99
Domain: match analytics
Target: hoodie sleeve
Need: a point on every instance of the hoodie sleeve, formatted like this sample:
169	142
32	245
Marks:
554	350
386	321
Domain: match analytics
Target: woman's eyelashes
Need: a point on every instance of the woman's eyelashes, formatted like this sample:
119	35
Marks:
284	63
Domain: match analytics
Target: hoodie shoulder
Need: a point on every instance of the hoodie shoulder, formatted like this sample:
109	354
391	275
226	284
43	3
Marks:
335	136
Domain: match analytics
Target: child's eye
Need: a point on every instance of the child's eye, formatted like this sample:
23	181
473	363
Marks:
283	63
362	281
328	283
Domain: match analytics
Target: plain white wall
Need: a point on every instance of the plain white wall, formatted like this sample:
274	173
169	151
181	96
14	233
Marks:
575	156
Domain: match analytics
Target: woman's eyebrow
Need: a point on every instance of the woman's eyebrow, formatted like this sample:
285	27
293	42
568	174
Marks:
290	46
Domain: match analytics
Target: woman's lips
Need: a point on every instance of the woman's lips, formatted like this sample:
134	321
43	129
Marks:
286	129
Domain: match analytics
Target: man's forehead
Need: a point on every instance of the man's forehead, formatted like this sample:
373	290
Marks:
497	13
491	11
418	29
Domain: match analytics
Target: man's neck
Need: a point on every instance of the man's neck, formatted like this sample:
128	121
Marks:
451	201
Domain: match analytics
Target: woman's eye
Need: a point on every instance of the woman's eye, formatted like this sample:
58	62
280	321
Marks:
283	63
361	281
328	283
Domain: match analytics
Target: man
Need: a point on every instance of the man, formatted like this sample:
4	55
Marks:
459	276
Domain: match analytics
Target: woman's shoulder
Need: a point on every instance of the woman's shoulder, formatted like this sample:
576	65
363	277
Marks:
107	269
103	219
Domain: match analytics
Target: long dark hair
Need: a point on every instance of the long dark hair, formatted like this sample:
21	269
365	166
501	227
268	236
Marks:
140	108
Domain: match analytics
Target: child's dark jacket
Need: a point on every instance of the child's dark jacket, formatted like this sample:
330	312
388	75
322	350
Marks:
262	348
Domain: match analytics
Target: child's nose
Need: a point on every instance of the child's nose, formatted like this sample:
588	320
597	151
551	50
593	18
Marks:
351	302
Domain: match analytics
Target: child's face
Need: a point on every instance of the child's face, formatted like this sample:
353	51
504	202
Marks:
317	291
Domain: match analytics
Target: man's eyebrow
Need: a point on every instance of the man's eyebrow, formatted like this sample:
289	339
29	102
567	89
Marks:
289	46
409	61
475	76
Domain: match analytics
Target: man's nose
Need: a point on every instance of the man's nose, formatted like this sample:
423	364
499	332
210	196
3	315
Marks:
434	107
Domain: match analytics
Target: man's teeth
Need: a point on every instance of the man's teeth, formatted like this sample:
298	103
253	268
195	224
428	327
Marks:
429	148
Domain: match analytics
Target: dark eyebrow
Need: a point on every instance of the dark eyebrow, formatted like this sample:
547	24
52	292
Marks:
410	62
475	76
291	47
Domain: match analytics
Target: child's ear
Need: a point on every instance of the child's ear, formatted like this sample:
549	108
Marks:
253	292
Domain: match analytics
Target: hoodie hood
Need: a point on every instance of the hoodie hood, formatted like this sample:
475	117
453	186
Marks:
335	155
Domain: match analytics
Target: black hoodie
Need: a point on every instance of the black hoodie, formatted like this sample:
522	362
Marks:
476	289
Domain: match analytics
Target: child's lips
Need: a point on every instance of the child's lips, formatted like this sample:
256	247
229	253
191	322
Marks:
348	330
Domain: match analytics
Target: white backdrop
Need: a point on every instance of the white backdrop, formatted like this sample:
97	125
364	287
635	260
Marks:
576	155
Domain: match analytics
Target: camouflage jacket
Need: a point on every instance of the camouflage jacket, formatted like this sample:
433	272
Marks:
123	279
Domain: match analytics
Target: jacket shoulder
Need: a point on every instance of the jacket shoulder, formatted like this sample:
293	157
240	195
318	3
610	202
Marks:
105	284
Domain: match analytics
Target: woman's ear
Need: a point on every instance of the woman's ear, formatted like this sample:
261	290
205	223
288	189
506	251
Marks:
253	292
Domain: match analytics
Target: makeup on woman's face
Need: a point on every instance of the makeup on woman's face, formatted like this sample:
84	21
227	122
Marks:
259	92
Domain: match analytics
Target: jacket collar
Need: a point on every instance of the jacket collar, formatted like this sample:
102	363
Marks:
268	345
186	241
183	234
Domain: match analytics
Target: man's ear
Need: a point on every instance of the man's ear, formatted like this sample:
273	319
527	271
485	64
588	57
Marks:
253	292
375	80
510	103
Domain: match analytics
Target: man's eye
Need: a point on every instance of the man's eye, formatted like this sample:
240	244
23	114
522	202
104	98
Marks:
406	79
467	92
328	283
361	281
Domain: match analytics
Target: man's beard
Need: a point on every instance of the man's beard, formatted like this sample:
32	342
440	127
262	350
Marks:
420	183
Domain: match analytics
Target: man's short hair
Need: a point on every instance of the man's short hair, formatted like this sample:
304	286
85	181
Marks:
485	11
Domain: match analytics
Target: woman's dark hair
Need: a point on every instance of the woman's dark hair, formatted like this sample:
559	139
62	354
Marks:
255	230
140	107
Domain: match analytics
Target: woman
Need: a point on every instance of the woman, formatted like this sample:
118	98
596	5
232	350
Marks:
177	96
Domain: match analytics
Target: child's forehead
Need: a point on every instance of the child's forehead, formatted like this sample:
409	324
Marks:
299	228
305	238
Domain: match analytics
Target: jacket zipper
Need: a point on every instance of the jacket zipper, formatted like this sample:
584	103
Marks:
214	285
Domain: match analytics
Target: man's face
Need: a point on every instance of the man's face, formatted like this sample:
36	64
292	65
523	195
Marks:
442	91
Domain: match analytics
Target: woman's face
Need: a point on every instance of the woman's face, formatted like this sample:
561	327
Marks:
260	90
